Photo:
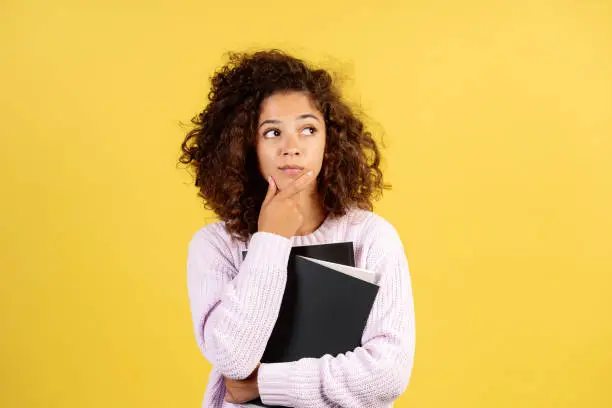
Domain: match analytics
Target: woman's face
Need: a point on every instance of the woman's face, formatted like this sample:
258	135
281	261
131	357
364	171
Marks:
290	137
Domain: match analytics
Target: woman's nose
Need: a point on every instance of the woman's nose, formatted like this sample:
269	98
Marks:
291	147
291	151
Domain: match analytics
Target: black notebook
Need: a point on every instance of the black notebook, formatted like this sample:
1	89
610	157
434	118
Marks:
324	310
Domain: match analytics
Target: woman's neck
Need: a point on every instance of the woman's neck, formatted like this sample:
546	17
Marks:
312	211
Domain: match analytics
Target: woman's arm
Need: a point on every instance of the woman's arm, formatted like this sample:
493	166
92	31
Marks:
233	318
372	375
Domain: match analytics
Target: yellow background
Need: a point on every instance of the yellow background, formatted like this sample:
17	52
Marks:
497	122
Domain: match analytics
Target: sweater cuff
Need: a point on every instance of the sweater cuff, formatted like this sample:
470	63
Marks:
269	247
275	387
269	254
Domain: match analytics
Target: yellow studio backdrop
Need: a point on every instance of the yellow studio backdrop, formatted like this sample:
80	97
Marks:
497	120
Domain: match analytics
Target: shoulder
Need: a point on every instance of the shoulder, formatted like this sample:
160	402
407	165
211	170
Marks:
372	227
373	235
213	240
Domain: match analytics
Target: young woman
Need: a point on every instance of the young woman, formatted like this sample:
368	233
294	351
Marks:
283	161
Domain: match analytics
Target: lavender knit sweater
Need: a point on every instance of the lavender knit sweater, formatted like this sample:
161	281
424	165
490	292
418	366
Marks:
235	303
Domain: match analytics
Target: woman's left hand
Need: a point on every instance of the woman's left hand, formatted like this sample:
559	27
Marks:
241	391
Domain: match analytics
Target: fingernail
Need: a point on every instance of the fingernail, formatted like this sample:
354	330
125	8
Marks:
309	173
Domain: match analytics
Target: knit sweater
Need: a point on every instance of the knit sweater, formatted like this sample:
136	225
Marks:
234	305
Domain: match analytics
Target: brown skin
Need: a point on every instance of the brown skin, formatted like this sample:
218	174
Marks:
280	213
291	132
225	147
241	391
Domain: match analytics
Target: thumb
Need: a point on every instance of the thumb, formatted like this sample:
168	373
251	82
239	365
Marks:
271	190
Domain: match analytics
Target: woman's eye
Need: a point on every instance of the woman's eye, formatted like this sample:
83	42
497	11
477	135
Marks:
271	133
309	130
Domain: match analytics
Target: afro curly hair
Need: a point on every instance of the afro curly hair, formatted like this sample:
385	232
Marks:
220	148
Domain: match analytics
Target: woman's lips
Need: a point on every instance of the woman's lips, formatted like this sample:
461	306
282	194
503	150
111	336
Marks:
291	171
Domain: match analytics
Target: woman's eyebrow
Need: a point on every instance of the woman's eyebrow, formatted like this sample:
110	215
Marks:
269	121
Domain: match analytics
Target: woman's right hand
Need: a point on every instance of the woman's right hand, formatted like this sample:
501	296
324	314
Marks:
279	212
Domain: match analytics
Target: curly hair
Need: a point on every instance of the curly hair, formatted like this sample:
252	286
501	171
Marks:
220	148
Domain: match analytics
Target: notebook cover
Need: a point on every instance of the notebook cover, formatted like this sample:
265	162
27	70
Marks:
338	252
323	312
327	313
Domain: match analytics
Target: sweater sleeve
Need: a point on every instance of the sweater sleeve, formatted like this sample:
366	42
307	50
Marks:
234	312
372	375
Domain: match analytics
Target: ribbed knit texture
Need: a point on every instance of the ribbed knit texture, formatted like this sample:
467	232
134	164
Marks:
235	303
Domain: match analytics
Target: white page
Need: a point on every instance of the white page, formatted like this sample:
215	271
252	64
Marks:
358	273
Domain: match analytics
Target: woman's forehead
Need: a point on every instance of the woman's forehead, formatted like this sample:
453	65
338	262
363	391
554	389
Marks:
288	105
